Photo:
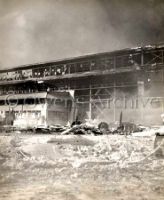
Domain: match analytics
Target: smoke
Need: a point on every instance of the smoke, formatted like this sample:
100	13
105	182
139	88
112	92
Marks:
140	21
43	30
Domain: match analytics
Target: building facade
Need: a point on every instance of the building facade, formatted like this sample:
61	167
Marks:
130	81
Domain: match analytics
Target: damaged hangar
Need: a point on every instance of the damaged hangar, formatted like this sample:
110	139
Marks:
98	86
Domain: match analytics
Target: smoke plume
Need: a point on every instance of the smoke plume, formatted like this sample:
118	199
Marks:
43	30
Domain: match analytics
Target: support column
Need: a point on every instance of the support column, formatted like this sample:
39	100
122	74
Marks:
141	88
90	103
142	58
114	101
141	91
114	93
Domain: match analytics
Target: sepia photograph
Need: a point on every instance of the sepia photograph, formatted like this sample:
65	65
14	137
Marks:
81	100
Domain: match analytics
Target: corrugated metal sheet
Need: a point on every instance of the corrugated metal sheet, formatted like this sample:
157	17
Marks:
24	96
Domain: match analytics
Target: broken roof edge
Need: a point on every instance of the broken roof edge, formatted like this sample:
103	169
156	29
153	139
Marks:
63	60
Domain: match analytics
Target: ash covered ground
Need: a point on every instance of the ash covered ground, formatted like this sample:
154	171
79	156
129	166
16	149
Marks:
36	167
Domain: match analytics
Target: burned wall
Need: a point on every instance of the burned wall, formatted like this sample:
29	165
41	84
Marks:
139	97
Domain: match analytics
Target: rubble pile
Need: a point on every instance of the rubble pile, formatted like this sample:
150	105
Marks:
49	129
89	127
103	129
82	129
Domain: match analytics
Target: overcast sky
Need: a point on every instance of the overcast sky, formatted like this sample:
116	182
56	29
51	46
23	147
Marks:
41	30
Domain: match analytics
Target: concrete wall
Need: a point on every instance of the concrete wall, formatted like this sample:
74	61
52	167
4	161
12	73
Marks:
24	116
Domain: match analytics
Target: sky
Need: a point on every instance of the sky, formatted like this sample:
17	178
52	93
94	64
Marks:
33	31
